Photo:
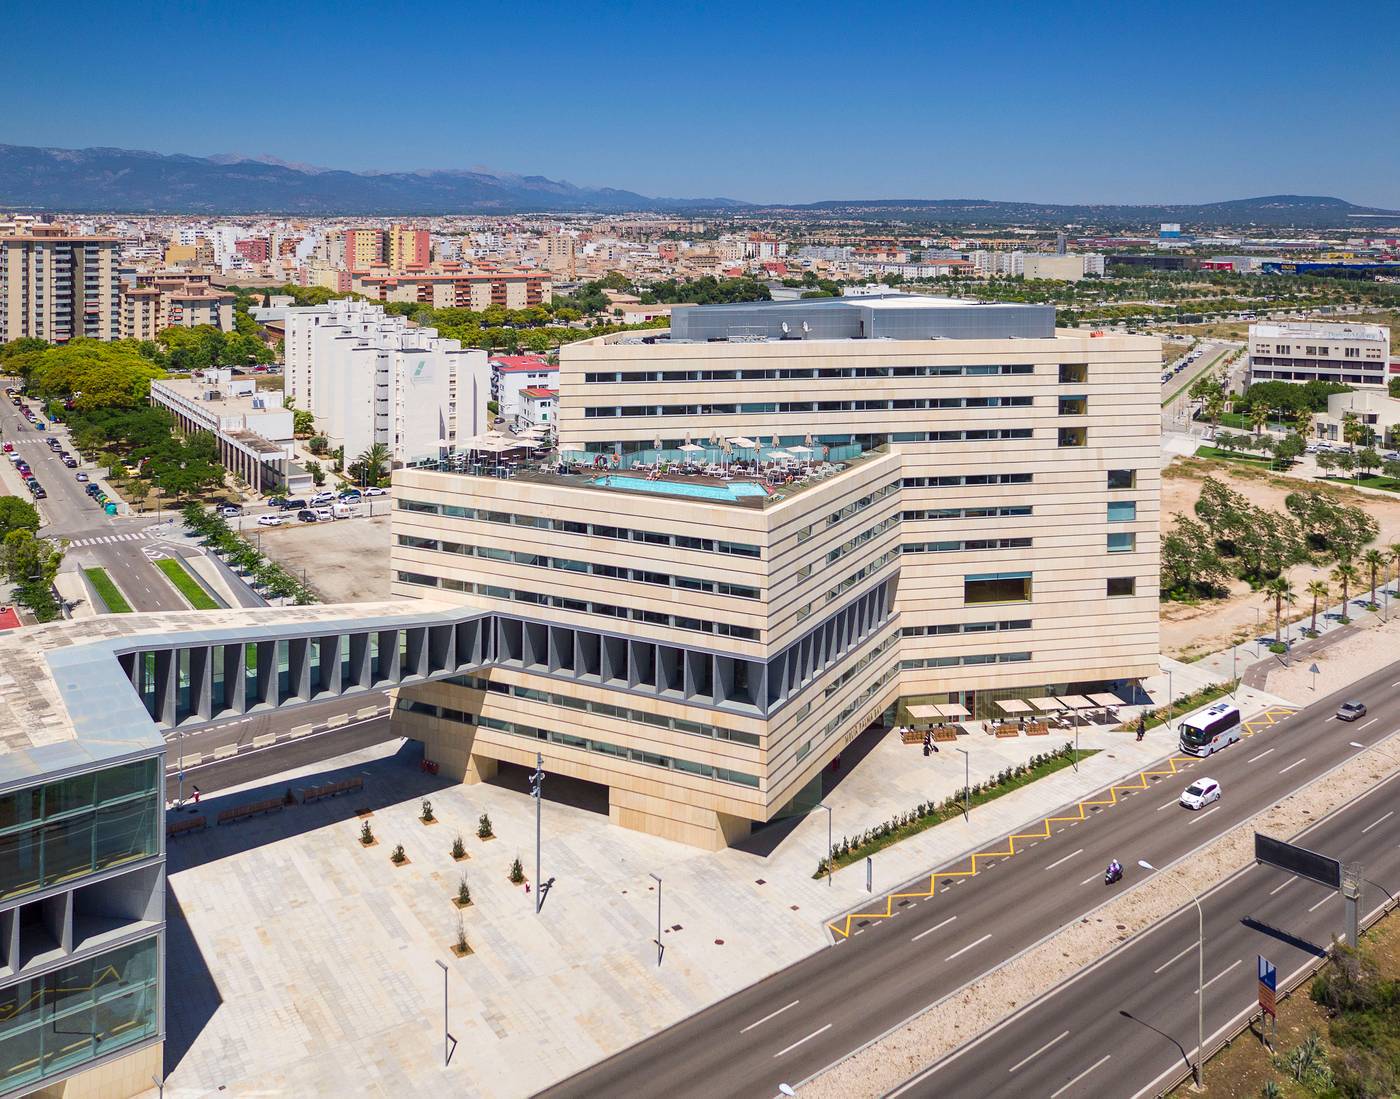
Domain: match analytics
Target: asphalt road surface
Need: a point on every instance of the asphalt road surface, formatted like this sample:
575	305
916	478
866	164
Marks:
803	1018
1128	1025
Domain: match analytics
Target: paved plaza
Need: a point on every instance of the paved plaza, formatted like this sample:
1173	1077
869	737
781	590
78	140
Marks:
304	963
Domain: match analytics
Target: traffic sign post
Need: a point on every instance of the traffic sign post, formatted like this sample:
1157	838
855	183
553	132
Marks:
1268	998
1314	669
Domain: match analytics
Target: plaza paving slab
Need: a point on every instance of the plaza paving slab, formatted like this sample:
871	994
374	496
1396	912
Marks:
304	963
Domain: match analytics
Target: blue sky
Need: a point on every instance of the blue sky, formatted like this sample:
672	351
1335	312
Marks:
763	100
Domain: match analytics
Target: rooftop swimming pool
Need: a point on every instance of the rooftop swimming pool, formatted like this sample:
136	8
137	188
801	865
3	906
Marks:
729	493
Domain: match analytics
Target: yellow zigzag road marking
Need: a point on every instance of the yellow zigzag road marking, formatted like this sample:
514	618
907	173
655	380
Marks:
1271	716
843	927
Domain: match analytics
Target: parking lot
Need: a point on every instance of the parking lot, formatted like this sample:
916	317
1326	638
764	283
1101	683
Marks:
345	561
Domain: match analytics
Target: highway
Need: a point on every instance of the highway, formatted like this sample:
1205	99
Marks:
797	1021
1128	1026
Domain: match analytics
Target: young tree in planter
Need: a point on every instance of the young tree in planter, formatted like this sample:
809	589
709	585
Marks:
483	827
426	815
517	872
459	850
464	894
398	857
1318	589
366	834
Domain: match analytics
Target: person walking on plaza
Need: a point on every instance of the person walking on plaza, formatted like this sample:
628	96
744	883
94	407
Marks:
1142	727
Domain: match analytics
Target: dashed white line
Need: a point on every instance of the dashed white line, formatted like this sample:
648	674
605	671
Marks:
968	947
1175	958
1096	1064
801	1040
1065	859
1208	812
770	1015
1261	755
1280	888
1167	804
1292	765
1376	822
1320	903
1038	1052
1086	881
1369	723
932	929
1222	973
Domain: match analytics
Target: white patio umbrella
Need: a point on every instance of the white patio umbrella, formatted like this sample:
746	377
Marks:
799	450
691	448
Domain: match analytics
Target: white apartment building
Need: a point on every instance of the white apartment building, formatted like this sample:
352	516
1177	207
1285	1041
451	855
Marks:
1036	265
511	374
1307	351
371	378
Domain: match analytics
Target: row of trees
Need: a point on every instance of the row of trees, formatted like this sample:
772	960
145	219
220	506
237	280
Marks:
1230	537
268	576
145	439
1280	592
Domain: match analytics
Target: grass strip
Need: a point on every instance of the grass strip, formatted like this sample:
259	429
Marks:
107	591
1184	705
186	584
1231	456
927	815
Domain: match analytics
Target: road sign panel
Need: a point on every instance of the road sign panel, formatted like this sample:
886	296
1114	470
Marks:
1268	975
1268	987
1298	860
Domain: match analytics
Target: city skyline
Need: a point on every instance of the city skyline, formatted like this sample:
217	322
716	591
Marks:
764	103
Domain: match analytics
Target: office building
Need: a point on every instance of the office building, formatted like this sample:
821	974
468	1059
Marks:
371	378
56	285
1307	351
253	431
978	523
1374	410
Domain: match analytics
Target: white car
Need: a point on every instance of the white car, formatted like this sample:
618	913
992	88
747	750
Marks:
375	491
1200	793
270	520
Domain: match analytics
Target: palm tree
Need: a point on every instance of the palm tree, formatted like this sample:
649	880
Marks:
1258	419
1374	560
1280	591
1346	575
1318	590
1394	550
371	462
1304	423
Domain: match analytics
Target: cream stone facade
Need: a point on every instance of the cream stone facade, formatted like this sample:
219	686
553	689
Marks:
982	525
57	286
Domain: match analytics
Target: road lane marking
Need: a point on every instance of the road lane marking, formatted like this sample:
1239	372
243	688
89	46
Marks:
1222	973
1167	804
1175	958
1096	1064
932	929
769	1016
1369	723
1208	812
1280	888
1086	881
801	1040
1260	756
1065	859
1376	822
1292	765
968	947
1038	1052
1320	903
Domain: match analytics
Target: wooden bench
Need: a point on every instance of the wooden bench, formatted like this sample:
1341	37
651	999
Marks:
1007	730
179	827
1037	728
333	789
912	736
251	809
943	733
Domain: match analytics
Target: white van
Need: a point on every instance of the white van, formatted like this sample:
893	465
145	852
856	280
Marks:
345	511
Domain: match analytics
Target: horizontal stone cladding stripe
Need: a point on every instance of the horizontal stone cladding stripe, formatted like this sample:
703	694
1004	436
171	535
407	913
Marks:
1028	677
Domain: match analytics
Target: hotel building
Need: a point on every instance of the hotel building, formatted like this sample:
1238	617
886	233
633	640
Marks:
980	524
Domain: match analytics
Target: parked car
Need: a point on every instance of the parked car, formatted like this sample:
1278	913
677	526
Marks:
306	515
1200	793
38	490
374	490
81	476
70	461
276	501
324	514
270	520
9	448
293	505
322	498
230	510
1350	711
349	494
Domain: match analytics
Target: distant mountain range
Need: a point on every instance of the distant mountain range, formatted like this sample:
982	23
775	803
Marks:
131	181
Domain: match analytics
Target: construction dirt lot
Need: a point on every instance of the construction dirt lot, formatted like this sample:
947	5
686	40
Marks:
345	561
1190	631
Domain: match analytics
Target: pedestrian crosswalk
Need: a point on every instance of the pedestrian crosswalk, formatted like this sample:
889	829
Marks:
133	536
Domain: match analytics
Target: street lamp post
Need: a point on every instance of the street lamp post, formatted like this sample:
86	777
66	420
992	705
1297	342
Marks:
536	787
445	1041
1198	1069
967	781
1169	700
824	805
657	878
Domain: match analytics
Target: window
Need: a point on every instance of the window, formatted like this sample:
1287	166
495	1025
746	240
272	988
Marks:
1122	511
1122	585
1122	478
1073	373
1122	543
997	587
1074	406
1073	436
